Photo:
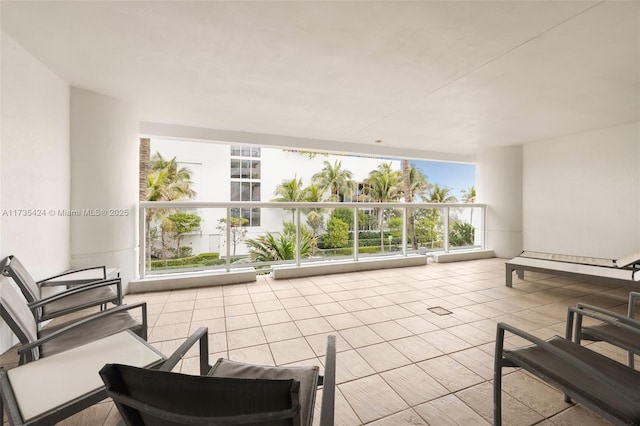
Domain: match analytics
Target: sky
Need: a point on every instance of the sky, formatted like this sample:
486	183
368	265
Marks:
457	176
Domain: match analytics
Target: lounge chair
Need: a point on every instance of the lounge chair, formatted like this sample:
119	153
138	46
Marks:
84	294
611	327
228	393
602	384
620	271
49	390
38	343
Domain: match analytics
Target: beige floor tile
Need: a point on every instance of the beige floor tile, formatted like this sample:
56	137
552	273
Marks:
312	326
246	337
514	413
268	305
383	356
281	331
413	384
578	415
293	350
351	366
169	332
450	373
274	317
449	411
242	321
186	305
259	354
239	309
360	336
445	341
390	330
416	348
342	321
403	418
477	361
174	318
372	398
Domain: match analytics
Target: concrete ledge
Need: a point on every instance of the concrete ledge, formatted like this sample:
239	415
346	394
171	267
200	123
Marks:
192	280
341	266
459	256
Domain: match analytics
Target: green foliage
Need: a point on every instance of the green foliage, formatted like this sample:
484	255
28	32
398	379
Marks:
337	234
185	222
461	234
345	215
237	230
395	227
426	230
268	247
202	259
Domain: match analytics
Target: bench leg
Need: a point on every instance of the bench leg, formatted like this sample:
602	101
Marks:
509	276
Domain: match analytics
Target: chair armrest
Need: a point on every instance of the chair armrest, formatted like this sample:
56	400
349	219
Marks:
200	335
585	367
599	314
73	271
100	316
327	410
80	289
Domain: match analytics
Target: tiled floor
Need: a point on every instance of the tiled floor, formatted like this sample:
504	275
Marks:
399	361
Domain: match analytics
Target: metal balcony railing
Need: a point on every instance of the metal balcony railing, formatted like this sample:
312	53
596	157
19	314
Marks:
168	245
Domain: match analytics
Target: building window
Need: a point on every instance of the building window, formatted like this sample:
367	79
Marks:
245	181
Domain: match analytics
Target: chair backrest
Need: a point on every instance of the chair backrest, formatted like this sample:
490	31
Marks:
15	312
154	397
11	267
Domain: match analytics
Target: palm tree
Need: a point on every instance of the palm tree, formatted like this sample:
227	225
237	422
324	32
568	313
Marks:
383	185
290	191
414	183
336	180
165	182
268	247
438	194
469	197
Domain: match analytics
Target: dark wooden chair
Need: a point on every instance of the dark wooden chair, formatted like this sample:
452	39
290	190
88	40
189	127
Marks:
37	342
78	294
227	393
607	387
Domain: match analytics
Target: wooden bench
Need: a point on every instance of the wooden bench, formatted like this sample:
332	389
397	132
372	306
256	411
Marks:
597	270
607	387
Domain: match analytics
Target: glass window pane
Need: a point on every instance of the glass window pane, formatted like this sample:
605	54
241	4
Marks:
246	151
246	169
255	217
255	192
246	191
235	168
255	169
235	150
235	191
255	152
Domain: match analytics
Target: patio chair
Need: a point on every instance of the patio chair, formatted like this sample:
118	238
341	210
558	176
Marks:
85	294
611	327
38	343
228	393
49	390
607	387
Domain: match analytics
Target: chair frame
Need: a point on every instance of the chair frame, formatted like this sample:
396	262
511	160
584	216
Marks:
72	287
576	332
85	401
570	390
326	411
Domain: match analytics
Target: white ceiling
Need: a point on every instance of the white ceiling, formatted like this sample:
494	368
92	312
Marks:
431	79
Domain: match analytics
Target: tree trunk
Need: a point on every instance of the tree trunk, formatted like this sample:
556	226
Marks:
143	182
408	198
145	166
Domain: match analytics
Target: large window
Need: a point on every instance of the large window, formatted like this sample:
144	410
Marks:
245	181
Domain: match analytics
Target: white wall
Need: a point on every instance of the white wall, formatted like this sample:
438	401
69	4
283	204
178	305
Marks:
499	185
34	165
581	193
104	179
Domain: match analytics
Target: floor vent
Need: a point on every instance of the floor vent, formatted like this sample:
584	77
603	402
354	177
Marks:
439	310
